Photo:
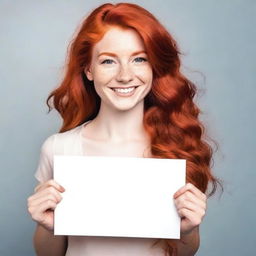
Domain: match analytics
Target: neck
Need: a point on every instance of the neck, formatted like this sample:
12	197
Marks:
115	125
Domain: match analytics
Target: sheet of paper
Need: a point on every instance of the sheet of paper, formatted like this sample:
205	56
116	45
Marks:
118	196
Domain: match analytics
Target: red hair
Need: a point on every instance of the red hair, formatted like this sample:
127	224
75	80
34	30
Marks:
170	115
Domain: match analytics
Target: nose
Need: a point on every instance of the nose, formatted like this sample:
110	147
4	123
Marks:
125	74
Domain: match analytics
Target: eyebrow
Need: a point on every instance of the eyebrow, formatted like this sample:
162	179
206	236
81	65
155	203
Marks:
114	55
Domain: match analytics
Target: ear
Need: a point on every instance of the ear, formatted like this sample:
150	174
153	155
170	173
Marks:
88	73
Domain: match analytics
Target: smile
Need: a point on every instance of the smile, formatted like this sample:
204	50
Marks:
124	91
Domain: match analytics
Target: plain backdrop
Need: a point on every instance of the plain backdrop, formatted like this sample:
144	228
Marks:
217	39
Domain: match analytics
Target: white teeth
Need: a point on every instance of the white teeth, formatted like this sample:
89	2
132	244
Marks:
127	90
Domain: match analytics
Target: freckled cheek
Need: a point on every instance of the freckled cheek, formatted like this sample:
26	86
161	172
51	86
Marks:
145	74
104	76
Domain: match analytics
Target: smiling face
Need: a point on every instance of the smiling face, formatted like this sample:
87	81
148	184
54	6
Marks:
120	70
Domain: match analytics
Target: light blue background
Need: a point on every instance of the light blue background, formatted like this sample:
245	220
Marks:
218	39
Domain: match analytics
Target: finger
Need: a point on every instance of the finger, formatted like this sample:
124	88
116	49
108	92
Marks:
191	216
193	189
43	207
38	212
42	195
43	198
46	191
196	209
189	197
49	183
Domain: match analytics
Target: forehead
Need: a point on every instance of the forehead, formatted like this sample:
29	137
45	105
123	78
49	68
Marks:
120	41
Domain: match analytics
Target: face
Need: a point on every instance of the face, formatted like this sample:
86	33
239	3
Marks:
120	70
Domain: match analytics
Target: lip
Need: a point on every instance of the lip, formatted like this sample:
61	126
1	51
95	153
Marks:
124	94
123	87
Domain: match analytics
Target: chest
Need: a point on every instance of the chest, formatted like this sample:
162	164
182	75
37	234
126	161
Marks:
123	149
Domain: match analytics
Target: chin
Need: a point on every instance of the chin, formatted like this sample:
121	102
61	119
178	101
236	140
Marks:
124	107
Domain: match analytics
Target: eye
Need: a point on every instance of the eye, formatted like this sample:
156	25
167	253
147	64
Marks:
140	59
107	61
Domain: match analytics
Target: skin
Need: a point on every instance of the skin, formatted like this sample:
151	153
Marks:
41	206
191	204
119	60
120	65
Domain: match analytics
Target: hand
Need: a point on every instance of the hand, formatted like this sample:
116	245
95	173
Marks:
43	202
191	206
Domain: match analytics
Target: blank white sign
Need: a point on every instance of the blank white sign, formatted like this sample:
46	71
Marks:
118	196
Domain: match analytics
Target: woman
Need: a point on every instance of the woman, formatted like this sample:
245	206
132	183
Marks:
123	95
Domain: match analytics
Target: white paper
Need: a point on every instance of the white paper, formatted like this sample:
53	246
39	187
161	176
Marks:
118	196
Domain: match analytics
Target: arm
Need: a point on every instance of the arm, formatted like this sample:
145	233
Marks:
189	243
41	206
46	244
191	206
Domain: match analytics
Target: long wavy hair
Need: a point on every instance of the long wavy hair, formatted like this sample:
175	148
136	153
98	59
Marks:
170	115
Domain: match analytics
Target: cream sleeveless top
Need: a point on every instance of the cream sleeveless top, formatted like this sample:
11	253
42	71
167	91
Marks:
73	143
